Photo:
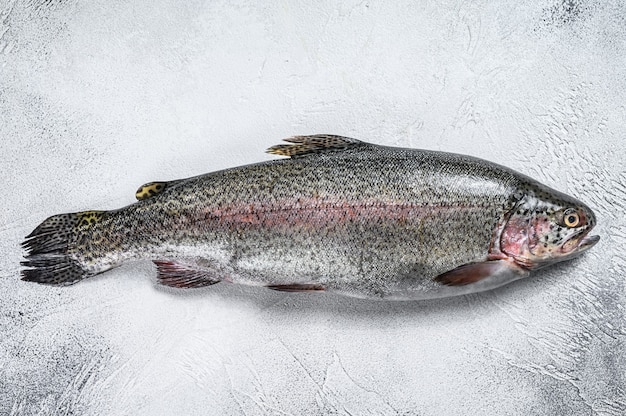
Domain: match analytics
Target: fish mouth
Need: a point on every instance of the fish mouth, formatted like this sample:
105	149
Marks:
579	242
588	241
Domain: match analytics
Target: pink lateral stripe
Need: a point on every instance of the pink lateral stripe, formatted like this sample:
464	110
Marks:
314	212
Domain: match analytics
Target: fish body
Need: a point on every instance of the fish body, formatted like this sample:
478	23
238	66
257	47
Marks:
338	215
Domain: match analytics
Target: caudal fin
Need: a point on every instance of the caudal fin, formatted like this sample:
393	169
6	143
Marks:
48	249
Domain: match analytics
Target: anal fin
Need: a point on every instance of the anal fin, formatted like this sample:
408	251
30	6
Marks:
502	270
174	274
297	287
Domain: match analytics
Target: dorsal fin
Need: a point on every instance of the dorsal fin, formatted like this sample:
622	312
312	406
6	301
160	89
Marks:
303	145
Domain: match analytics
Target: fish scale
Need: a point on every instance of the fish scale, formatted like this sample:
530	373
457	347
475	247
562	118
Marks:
338	215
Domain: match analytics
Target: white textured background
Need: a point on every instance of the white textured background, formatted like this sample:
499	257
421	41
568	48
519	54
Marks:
98	97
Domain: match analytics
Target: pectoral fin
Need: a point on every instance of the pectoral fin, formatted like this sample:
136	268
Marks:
502	271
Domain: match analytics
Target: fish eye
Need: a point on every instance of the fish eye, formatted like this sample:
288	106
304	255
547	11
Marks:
571	218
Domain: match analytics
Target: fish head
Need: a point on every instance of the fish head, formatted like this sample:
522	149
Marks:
547	227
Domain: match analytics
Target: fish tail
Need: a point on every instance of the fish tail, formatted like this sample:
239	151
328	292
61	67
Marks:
51	257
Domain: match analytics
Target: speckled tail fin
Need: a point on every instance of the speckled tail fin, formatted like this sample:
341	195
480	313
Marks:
304	145
48	249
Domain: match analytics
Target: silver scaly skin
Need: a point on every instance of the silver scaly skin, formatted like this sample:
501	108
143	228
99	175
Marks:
338	215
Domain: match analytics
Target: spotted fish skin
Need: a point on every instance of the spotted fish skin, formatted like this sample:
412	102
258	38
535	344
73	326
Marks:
339	215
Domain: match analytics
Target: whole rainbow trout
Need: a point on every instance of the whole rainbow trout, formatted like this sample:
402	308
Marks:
338	215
